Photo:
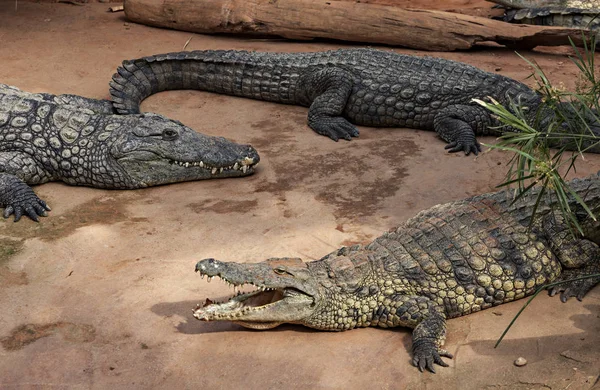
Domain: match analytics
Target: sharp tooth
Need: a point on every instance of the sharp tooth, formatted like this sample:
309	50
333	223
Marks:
214	170
234	289
201	164
248	161
187	164
235	166
209	279
220	170
244	168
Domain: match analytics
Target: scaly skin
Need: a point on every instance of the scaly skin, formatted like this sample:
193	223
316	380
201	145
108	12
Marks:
520	4
360	86
565	17
448	261
80	141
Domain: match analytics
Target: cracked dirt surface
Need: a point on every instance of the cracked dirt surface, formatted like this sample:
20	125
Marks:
99	294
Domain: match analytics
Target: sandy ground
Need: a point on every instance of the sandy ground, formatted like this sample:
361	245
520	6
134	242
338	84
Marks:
99	294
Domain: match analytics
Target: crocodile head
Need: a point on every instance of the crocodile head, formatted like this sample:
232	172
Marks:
572	126
156	150
580	121
284	291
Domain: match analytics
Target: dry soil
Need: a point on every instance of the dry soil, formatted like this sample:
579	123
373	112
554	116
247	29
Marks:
100	294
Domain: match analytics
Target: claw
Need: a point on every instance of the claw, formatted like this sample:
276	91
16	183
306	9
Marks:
427	358
8	211
334	127
467	148
31	213
18	213
422	364
450	145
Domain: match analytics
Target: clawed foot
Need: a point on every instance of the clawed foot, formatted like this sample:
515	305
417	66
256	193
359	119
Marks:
334	128
426	355
466	146
578	288
28	204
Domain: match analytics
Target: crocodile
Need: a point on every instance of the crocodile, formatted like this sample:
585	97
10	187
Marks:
341	88
448	261
522	4
565	17
82	141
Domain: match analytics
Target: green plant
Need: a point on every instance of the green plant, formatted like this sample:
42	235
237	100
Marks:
534	162
531	140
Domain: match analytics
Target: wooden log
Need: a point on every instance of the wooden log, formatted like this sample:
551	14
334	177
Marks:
342	20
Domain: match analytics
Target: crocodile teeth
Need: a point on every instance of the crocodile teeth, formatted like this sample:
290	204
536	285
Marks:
187	164
244	168
236	166
201	164
208	279
220	170
214	170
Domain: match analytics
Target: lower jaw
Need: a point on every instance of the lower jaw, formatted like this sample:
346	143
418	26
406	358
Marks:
258	325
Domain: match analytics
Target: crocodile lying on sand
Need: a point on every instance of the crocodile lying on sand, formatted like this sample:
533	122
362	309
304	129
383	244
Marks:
566	13
567	17
79	141
361	86
522	4
448	261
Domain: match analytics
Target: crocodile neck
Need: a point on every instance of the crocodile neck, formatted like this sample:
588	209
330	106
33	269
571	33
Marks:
62	143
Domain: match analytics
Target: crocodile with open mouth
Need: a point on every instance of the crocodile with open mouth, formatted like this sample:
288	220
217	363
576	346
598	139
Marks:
448	261
80	141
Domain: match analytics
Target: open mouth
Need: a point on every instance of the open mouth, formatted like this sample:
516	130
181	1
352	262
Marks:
246	165
254	309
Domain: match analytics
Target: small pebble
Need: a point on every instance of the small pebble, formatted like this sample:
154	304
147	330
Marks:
520	362
498	69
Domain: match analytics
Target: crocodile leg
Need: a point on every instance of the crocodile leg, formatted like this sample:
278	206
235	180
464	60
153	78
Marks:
16	197
457	125
429	323
328	89
579	257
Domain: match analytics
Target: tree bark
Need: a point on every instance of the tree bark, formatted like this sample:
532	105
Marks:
343	20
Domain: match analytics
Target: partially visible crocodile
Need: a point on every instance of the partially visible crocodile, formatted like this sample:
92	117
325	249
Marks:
448	261
566	13
565	17
521	4
361	86
80	141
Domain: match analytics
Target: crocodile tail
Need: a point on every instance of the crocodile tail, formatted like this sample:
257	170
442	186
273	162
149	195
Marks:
134	81
207	70
137	79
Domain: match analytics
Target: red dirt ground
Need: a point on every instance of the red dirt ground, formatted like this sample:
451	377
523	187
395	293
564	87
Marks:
100	293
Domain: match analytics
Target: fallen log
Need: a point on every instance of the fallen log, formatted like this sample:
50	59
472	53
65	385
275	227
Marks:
342	20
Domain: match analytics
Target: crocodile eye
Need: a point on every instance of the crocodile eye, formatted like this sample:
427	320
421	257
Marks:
169	134
281	271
